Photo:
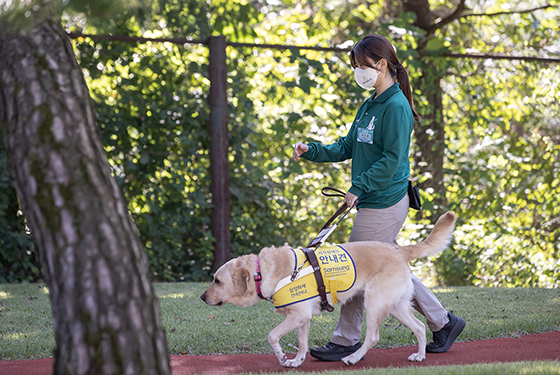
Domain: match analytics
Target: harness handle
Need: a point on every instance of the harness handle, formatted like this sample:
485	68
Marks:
343	210
344	207
337	193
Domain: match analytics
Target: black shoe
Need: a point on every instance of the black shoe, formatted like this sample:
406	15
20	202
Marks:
333	352
443	339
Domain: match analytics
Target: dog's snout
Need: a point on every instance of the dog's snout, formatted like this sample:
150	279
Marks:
203	297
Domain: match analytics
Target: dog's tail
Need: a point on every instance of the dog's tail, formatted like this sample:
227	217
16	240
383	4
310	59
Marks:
437	241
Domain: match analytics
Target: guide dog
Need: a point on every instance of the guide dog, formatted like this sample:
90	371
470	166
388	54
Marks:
382	276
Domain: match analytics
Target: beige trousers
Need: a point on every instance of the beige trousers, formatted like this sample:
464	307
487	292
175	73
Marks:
384	225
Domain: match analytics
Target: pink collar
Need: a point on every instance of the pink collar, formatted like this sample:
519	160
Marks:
258	279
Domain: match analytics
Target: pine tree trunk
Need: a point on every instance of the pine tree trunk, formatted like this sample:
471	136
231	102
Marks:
106	316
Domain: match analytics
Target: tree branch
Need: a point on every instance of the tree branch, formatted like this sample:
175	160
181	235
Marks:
503	13
457	15
502	57
135	39
447	20
421	8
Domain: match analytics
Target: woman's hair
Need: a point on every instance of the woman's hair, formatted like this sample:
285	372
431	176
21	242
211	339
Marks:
377	47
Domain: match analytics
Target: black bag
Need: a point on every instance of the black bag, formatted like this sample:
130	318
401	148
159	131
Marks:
414	196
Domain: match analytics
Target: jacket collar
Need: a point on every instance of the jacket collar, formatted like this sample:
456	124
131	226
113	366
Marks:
392	90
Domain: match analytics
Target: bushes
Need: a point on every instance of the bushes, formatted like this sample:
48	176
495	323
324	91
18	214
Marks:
17	255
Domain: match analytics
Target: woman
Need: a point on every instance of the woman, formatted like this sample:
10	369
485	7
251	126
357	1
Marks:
378	144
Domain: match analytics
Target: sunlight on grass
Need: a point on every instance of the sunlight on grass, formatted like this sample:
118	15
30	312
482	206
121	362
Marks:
14	336
515	368
5	295
173	295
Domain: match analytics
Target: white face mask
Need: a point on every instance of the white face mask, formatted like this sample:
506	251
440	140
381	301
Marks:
366	78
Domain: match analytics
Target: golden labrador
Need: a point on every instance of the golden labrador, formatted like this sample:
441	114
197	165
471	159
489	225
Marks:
382	275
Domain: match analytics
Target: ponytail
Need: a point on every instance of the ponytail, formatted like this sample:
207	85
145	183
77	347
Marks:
377	47
404	83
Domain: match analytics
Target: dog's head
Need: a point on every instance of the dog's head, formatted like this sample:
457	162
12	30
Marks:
232	284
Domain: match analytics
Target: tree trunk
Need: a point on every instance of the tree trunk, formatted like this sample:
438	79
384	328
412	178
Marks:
219	151
430	134
430	138
106	316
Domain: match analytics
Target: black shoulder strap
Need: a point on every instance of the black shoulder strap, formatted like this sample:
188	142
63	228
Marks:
319	277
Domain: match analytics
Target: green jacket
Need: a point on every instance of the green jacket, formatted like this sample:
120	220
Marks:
380	169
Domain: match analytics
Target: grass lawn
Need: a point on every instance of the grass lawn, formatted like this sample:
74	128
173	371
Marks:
517	368
192	327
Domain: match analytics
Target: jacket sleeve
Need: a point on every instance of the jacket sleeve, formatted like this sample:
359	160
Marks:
396	129
339	151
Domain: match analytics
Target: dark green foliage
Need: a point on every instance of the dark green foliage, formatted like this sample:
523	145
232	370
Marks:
17	255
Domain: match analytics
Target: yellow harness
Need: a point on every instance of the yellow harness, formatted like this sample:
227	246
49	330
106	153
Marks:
337	268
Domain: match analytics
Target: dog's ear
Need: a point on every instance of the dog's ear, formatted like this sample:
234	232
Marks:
241	280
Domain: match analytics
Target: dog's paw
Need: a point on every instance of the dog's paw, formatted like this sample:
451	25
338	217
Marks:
416	357
293	363
282	359
352	359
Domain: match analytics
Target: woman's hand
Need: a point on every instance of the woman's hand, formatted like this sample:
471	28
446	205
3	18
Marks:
350	199
299	149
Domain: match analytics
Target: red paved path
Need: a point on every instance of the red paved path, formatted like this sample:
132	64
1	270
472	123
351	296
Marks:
545	346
